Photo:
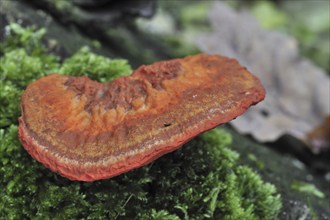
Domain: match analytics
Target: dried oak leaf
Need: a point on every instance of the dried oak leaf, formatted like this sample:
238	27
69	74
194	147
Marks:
87	131
297	91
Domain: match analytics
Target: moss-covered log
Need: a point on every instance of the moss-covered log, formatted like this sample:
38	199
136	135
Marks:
201	180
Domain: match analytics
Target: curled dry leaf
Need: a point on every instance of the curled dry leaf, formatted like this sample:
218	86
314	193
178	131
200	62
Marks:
297	91
87	131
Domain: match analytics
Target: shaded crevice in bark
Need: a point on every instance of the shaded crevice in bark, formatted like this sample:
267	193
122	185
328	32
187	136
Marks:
113	26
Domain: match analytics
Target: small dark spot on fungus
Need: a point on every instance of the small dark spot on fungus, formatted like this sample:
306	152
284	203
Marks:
87	131
167	124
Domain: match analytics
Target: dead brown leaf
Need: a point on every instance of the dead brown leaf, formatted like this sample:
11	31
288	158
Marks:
297	99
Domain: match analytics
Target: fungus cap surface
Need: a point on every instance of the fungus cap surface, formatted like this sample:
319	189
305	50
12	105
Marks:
87	131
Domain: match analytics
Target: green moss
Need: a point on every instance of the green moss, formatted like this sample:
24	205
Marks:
202	180
9	107
95	66
28	38
24	60
256	161
21	68
307	188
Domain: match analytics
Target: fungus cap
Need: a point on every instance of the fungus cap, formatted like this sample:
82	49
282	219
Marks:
87	131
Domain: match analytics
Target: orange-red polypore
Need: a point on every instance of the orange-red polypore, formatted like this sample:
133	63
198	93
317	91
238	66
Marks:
87	131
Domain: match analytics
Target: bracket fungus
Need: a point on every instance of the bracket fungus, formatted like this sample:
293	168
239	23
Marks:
86	130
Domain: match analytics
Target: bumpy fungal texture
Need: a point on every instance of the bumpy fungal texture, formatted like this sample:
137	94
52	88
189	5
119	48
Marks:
87	131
